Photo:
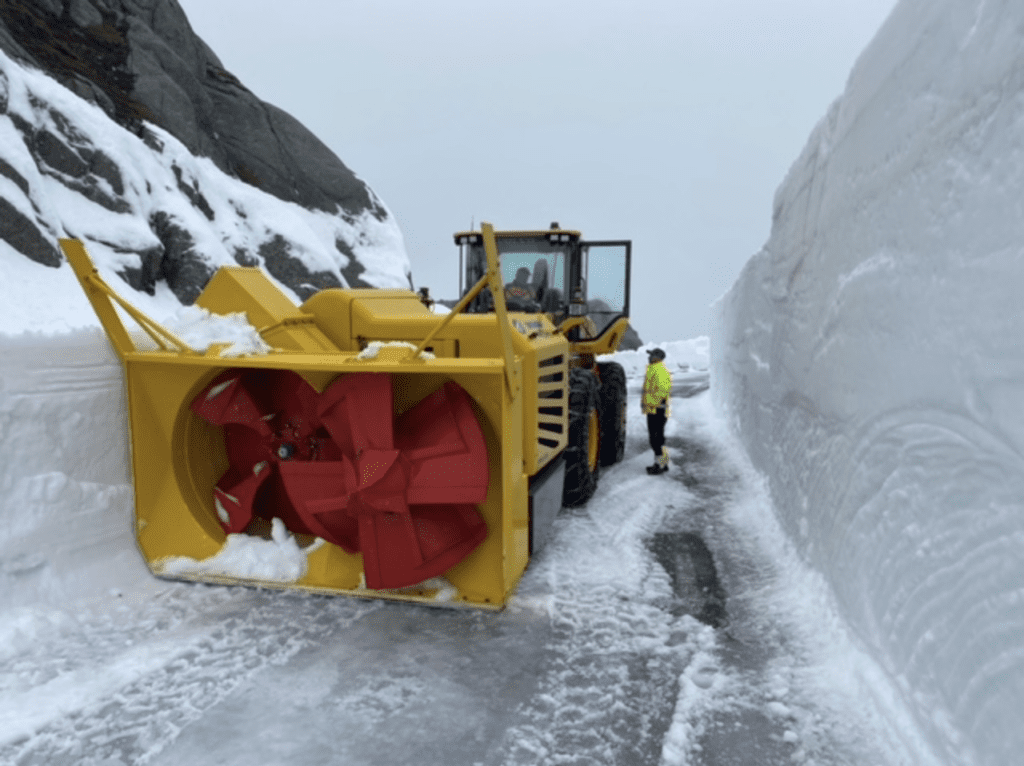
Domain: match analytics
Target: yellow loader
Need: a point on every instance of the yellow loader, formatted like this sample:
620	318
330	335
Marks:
411	456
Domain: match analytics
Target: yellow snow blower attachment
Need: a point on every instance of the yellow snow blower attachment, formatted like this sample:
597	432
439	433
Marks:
403	451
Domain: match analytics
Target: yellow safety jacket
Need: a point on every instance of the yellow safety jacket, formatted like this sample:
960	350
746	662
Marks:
516	290
657	388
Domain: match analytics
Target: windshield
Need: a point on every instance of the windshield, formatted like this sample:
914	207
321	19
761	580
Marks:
533	270
538	274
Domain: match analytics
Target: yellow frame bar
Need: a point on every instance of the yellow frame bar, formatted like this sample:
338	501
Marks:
607	343
493	280
103	297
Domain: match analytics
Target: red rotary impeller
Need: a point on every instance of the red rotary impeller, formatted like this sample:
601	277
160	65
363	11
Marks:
340	466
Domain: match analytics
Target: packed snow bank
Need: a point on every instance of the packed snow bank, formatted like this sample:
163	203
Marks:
65	488
870	358
682	356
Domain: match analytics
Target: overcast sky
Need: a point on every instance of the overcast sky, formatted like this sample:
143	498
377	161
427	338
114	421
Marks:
670	123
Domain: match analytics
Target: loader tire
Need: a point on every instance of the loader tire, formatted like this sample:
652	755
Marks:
582	463
613	412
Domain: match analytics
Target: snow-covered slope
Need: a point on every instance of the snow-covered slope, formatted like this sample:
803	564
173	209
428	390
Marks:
150	211
870	358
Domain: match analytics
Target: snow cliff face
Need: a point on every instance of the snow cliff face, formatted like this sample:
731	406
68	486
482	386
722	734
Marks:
870	357
131	136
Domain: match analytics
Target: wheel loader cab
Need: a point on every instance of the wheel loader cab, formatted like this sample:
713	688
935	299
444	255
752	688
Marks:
583	289
566	277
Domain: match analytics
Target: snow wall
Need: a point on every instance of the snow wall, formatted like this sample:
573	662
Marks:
871	359
65	485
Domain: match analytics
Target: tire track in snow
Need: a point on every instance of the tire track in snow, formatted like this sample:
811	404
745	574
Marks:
610	680
130	704
644	665
629	668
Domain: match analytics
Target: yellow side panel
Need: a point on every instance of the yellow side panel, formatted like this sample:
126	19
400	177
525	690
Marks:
173	517
332	310
545	402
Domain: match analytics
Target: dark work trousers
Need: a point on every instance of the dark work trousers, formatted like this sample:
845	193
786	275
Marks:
656	430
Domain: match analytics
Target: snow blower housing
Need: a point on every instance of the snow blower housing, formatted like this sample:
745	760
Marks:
416	446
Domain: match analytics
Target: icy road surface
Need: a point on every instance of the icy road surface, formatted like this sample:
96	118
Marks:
666	622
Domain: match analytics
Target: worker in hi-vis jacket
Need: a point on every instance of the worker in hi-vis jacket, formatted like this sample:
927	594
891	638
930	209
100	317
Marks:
654	404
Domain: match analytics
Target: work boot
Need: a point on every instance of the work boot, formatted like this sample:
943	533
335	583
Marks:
655	469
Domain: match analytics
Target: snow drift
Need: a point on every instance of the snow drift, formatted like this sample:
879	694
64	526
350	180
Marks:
870	358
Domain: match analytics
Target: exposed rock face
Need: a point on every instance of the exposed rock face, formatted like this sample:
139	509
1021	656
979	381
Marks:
602	314
141	63
139	60
630	340
23	236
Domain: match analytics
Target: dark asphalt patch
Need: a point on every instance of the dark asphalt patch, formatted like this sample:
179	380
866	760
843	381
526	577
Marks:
691	567
706	568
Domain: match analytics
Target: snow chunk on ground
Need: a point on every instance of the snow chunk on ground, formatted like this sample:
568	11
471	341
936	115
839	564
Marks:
279	559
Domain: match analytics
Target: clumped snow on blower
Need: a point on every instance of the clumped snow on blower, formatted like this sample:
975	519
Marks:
410	456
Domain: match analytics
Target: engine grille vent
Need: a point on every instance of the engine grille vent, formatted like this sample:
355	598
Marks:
551	402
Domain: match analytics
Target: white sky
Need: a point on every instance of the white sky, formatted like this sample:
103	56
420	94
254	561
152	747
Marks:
668	123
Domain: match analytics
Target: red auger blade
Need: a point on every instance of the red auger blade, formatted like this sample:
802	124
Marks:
229	400
358	412
320	493
235	495
444	447
443	441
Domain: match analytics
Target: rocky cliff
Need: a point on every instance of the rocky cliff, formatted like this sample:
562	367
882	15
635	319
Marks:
178	167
